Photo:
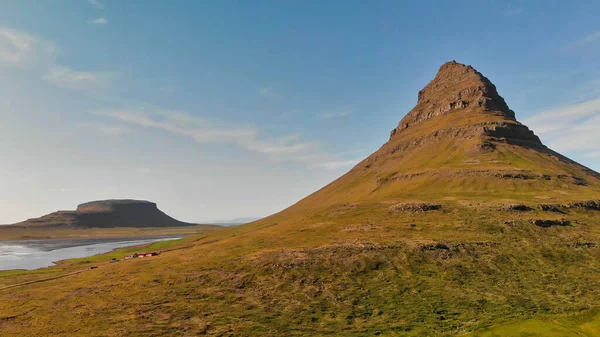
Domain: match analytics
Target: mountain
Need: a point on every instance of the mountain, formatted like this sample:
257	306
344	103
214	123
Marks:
106	214
462	223
460	141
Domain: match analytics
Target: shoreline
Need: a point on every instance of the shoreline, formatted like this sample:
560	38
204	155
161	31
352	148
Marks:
24	234
70	265
77	245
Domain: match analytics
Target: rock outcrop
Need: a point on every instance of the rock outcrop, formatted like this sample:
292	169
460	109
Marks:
458	88
107	214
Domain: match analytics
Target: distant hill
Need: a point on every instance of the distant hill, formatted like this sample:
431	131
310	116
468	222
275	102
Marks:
106	214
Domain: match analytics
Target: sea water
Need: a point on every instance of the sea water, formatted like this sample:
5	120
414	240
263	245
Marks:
33	254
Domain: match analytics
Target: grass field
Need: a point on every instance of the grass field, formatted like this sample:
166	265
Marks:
585	324
344	270
423	242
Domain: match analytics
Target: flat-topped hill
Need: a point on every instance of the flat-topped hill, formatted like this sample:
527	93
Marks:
106	214
115	205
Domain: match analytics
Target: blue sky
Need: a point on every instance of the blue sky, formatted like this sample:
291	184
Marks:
223	109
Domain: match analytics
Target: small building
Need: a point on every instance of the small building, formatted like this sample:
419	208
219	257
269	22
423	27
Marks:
139	255
148	254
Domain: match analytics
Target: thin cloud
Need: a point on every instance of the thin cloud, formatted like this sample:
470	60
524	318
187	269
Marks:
571	128
587	40
554	119
68	77
22	51
249	138
343	112
268	92
246	137
15	46
18	48
85	81
98	21
21	48
593	154
96	3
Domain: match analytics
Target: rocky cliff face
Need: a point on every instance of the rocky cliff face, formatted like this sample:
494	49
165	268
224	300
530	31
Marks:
116	206
107	213
462	91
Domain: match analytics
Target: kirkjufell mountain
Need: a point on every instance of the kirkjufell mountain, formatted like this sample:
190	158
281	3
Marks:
463	223
462	141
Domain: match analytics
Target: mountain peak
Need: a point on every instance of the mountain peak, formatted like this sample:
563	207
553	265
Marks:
464	85
460	90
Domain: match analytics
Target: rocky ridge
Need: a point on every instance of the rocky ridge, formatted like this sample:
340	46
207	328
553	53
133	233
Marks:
458	88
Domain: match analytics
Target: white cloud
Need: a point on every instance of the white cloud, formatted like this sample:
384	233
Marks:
18	48
68	77
571	128
37	57
142	170
96	3
593	154
246	137
554	119
249	138
15	47
268	92
98	21
343	112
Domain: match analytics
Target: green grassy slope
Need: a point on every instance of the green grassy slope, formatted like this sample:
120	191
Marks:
352	271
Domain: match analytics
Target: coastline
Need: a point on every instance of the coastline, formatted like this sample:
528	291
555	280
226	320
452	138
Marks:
28	255
12	233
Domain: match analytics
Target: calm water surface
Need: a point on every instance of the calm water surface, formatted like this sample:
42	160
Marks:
33	254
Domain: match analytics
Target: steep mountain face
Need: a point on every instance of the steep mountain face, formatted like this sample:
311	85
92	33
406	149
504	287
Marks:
461	140
463	220
105	214
458	88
